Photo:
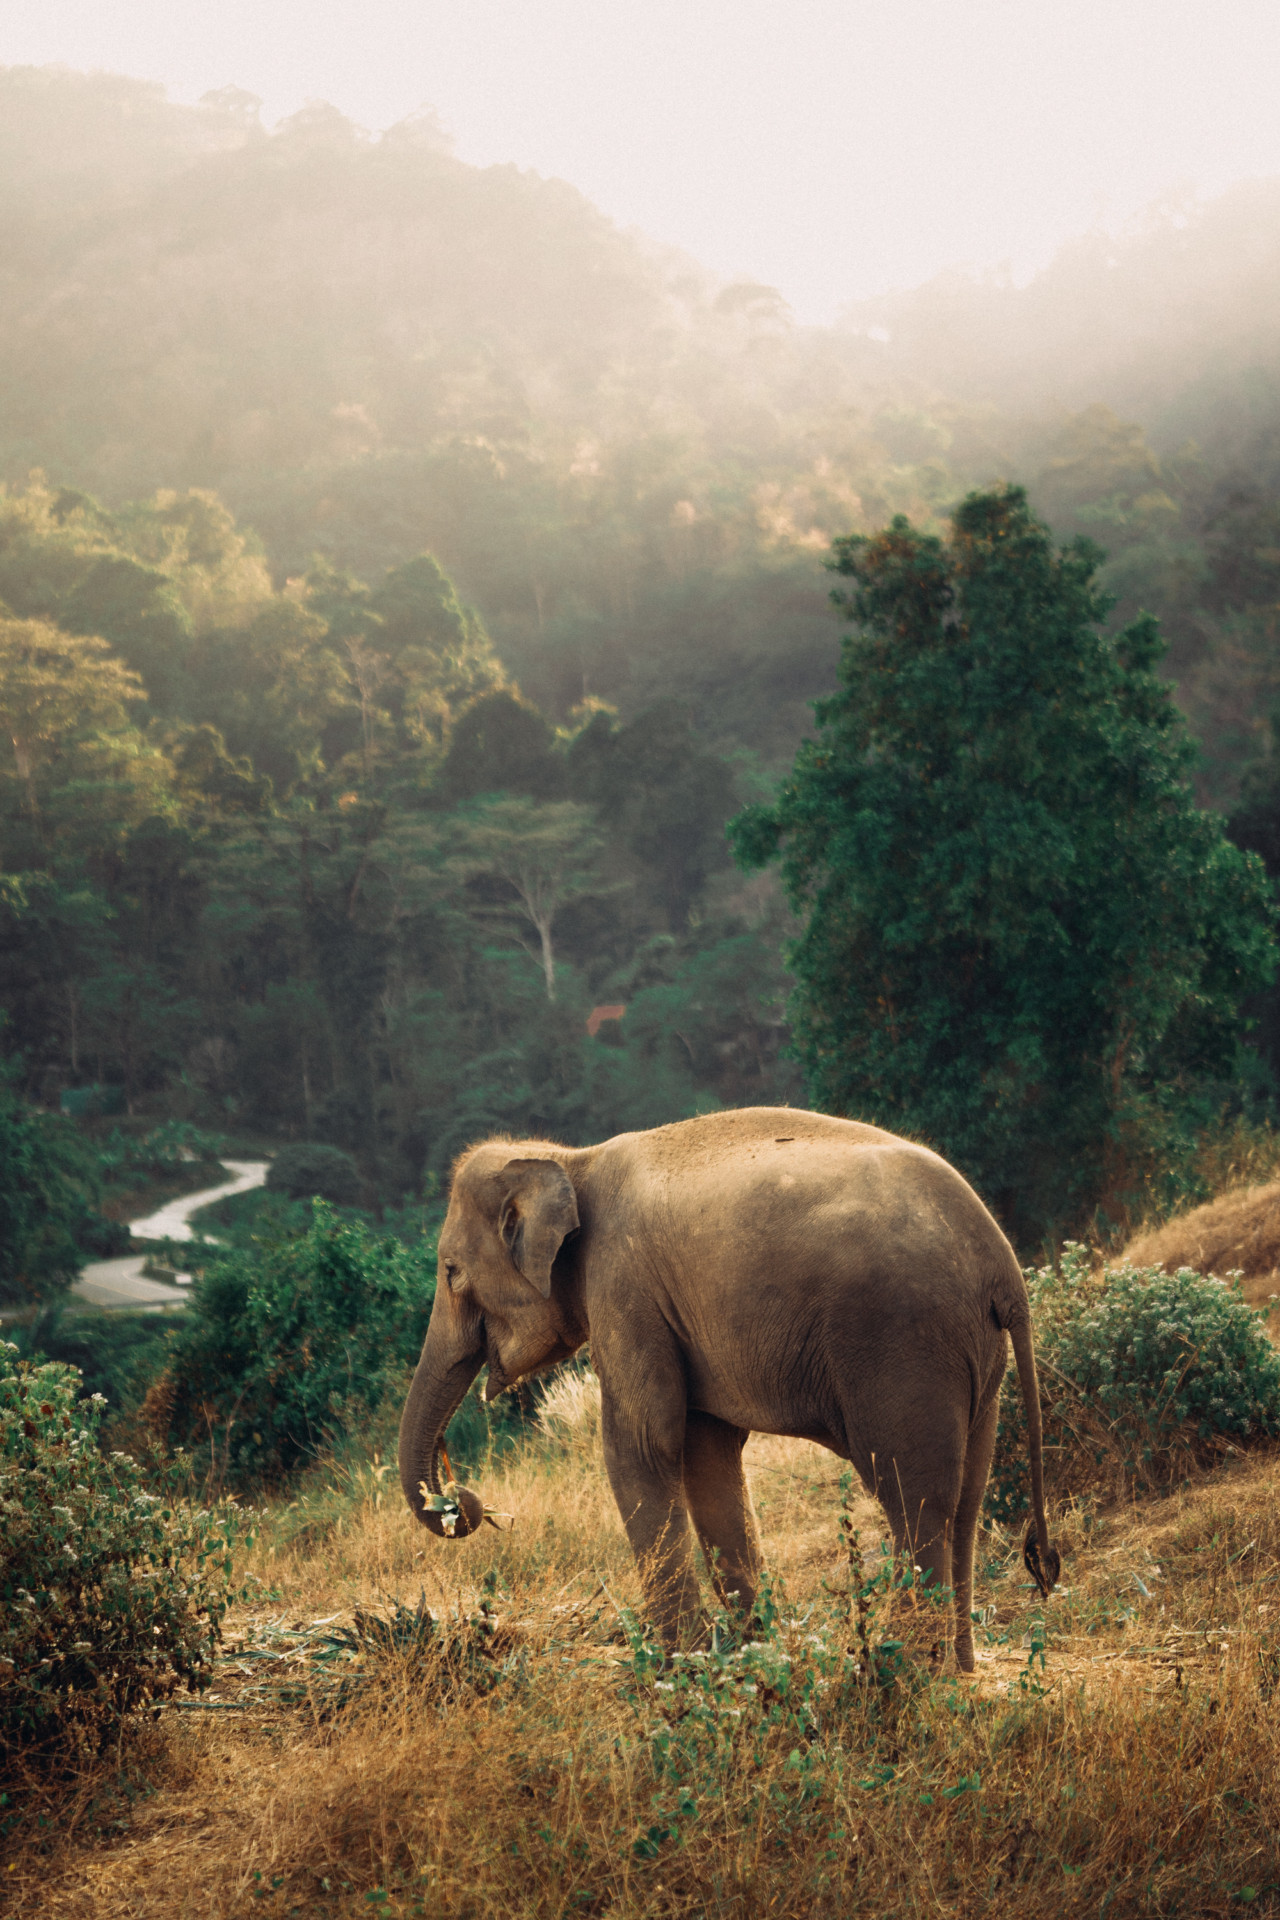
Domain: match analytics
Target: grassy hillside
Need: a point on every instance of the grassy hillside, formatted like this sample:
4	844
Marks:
529	1762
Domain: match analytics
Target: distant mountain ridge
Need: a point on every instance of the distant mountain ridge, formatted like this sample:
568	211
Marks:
369	349
1173	322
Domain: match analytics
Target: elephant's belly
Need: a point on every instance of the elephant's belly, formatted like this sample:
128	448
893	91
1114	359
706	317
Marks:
758	1410
756	1354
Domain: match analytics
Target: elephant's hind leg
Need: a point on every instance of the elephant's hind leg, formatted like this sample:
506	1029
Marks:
923	1534
977	1466
919	1487
718	1498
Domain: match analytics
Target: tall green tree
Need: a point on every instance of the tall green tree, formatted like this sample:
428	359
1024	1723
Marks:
76	769
541	854
49	1183
78	780
1023	942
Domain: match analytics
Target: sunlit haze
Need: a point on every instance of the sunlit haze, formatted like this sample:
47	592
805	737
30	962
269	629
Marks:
831	148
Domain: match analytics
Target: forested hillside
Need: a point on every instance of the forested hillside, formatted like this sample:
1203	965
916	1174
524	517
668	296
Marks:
405	575
307	858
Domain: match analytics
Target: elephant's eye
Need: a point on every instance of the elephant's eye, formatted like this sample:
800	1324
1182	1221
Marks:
453	1275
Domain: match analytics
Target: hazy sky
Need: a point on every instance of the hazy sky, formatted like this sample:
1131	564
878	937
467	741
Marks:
832	148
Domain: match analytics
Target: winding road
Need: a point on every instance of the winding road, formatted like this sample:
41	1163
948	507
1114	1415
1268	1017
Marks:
121	1283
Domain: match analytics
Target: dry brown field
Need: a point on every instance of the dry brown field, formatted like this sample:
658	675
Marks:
534	1767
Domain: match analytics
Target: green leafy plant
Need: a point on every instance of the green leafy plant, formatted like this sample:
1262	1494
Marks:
1142	1373
310	1169
288	1346
113	1586
50	1186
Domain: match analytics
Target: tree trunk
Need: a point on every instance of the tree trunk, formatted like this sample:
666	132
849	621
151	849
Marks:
548	957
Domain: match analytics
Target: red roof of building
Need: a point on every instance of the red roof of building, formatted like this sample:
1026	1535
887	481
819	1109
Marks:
598	1015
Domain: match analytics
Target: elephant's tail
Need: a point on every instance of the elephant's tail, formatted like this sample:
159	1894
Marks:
1042	1560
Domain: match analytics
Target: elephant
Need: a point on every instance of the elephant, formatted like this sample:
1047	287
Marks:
759	1269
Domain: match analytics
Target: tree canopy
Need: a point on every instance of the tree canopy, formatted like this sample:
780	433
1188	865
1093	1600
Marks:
1023	941
304	854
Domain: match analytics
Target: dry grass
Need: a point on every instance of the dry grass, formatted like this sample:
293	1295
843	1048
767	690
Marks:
1239	1231
1137	1774
1244	1154
1226	1159
570	1410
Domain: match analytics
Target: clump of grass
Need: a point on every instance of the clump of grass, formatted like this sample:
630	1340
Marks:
569	1411
330	1667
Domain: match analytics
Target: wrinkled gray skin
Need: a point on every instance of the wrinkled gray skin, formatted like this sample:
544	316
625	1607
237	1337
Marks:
761	1270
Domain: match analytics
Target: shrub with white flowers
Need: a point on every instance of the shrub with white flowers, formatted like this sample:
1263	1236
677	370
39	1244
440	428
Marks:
1142	1373
112	1586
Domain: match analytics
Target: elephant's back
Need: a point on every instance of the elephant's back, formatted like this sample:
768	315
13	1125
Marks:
813	1194
736	1138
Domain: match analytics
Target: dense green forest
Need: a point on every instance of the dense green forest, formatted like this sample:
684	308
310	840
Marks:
307	859
405	575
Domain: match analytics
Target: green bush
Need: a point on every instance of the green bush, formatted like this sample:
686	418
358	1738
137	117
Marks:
112	1587
102	1239
1142	1374
117	1354
243	1219
312	1170
50	1185
288	1346
167	1149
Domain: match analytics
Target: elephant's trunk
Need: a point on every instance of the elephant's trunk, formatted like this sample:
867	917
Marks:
435	1396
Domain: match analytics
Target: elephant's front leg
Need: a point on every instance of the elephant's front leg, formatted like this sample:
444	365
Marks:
645	1462
720	1502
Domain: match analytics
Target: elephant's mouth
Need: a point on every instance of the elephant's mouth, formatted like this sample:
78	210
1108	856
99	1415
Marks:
525	1366
496	1381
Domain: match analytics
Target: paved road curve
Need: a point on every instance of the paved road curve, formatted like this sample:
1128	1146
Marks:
120	1283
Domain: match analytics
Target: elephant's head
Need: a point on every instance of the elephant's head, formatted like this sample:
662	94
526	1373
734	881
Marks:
509	1214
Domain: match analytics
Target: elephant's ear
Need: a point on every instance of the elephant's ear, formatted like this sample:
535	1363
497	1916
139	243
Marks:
537	1211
